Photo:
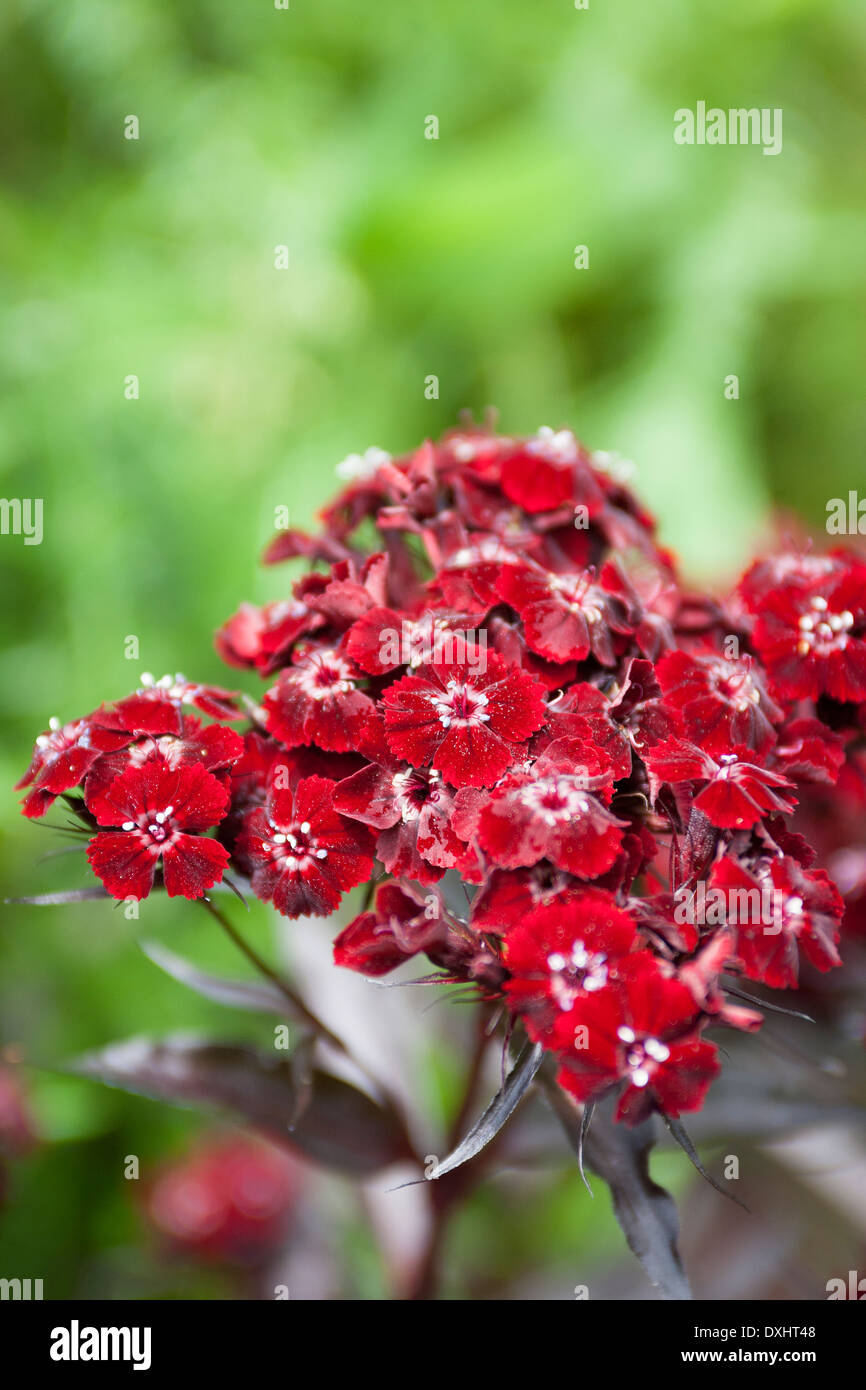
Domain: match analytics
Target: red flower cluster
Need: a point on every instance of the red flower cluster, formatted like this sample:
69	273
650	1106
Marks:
513	690
152	778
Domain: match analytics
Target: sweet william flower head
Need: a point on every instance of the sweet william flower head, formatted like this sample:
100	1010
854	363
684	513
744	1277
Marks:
411	808
733	790
551	811
721	701
599	749
213	747
507	895
467	719
157	814
66	755
261	637
567	616
303	855
560	953
318	700
62	757
398	927
157	706
810	627
639	1033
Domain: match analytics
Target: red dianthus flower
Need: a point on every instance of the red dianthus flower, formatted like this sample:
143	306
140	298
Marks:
642	1031
157	813
468	719
301	853
810	627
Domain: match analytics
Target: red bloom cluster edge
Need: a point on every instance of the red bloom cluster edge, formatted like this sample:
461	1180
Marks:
509	685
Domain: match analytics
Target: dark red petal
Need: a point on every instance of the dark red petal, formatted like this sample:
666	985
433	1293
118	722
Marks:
473	756
312	894
122	862
368	946
192	865
682	1082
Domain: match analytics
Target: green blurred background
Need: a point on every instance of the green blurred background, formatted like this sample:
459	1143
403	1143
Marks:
409	257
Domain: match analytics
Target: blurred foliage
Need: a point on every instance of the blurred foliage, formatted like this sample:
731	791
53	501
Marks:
409	257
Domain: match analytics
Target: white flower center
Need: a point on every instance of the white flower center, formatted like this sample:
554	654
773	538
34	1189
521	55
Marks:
293	850
155	829
580	970
460	706
412	789
557	446
360	468
735	684
323	675
555	799
821	631
576	597
642	1056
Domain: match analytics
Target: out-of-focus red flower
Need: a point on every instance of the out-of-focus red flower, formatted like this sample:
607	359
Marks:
735	790
722	702
810	625
231	1200
18	1130
804	912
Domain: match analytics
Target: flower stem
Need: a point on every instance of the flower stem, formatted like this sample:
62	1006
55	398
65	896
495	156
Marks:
292	998
448	1191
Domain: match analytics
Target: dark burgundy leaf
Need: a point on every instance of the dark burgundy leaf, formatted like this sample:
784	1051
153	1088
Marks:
645	1211
335	1125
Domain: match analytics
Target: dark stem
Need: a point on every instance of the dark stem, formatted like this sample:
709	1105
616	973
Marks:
299	1009
472	1081
447	1192
295	1002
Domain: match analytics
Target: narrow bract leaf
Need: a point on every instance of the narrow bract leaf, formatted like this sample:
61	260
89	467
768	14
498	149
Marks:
680	1133
766	1003
256	995
70	895
499	1110
581	1142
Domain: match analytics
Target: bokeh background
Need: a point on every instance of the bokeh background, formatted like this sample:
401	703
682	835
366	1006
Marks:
409	257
